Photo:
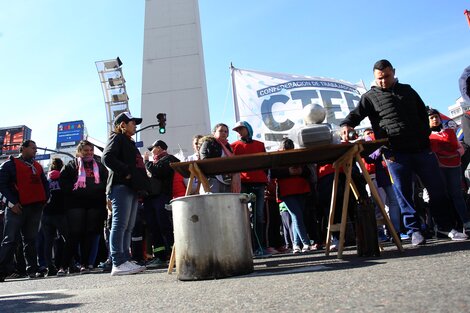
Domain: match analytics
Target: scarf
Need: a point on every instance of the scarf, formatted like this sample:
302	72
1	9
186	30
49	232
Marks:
160	156
236	180
223	144
29	163
81	181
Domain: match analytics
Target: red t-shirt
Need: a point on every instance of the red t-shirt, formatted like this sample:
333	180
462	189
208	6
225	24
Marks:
239	148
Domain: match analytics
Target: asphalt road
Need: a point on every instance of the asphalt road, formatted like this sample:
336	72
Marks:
432	278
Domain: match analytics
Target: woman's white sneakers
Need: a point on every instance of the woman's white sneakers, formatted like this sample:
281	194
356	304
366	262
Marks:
127	268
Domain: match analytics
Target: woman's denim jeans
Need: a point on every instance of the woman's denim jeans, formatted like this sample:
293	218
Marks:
295	205
124	204
453	179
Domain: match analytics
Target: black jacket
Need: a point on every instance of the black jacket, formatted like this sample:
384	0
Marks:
211	148
122	158
397	113
56	203
92	196
162	171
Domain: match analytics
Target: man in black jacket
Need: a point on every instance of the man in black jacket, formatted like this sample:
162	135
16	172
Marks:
397	113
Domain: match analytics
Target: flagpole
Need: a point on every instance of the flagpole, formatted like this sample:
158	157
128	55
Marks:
234	93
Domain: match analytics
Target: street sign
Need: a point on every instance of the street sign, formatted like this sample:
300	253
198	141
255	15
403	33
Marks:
40	157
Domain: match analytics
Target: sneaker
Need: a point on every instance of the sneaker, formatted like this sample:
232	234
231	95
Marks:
155	263
417	239
334	244
2	277
262	253
307	248
456	236
74	269
42	272
284	249
466	228
35	275
296	250
271	250
61	272
404	237
124	269
84	270
106	266
138	267
51	271
382	237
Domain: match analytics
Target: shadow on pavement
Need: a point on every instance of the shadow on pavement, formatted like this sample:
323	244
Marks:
35	302
318	261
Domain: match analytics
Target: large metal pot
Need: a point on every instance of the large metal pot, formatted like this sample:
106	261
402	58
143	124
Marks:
212	236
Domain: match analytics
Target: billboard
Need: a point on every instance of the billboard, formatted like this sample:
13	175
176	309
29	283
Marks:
12	137
69	134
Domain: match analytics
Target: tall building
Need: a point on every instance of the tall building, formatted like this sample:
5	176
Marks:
458	109
173	76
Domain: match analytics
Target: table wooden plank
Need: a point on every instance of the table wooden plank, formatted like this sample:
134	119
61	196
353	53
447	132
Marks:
321	154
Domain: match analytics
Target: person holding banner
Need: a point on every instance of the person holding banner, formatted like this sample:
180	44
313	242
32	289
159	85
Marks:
398	113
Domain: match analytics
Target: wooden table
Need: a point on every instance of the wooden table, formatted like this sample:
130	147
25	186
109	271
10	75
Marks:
341	155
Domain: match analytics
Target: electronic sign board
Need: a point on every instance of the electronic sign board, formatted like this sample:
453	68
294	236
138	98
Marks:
69	134
12	137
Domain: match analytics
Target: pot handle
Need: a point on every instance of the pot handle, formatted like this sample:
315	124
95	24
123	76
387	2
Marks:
245	198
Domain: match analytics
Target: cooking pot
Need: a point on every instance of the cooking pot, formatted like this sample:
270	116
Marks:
212	236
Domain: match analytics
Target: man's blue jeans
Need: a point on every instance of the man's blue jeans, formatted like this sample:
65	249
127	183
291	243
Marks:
24	226
402	166
124	204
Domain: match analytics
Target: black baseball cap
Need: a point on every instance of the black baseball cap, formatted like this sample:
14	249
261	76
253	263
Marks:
126	117
158	143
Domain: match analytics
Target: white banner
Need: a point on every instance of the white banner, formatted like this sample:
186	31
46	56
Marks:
272	102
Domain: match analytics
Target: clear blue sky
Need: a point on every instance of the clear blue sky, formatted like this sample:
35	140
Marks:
48	51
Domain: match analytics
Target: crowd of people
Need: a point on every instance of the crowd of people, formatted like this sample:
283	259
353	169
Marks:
109	213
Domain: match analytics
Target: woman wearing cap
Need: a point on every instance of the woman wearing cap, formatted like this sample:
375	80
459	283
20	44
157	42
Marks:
217	146
448	150
127	181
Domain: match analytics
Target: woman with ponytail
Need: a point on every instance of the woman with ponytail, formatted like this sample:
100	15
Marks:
128	181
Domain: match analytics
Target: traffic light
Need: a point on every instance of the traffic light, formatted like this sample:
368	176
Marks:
161	117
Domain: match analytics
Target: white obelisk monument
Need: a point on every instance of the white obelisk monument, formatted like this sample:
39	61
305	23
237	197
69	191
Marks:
173	75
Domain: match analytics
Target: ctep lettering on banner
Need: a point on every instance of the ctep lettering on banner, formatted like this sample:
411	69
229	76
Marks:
272	102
